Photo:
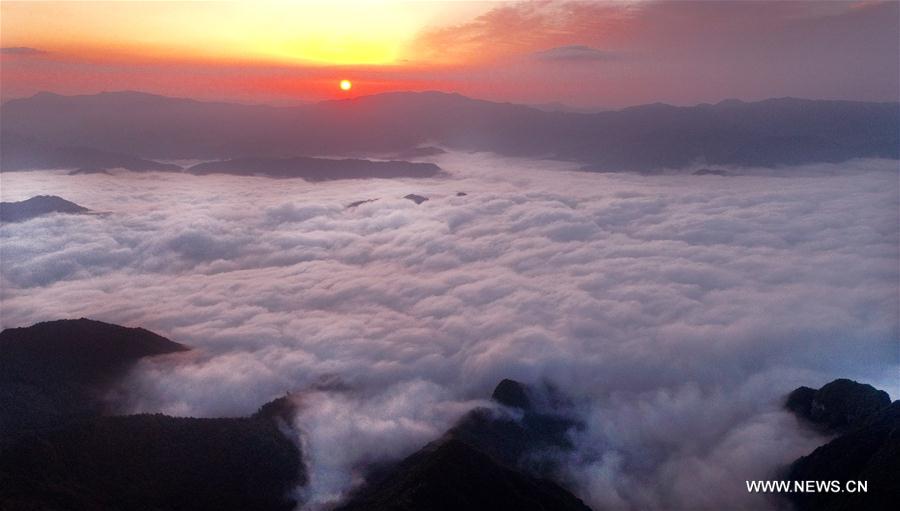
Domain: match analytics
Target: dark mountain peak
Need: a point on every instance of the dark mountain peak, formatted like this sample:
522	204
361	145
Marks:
800	400
54	201
57	371
81	328
512	393
840	405
518	440
82	349
358	203
418	199
37	206
282	408
61	449
490	460
869	452
153	462
454	475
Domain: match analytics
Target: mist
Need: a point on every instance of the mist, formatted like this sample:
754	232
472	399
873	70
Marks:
675	311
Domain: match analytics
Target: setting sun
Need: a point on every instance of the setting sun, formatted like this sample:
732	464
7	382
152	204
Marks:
346	85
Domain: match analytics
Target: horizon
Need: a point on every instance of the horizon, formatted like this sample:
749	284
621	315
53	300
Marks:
537	106
402	255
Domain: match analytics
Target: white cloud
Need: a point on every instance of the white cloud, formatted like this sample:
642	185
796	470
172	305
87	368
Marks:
674	309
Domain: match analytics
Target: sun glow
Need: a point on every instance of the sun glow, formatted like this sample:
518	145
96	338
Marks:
346	85
268	31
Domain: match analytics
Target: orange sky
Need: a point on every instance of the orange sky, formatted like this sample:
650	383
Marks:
580	53
275	32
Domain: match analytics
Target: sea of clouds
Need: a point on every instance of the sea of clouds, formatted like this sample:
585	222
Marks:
676	311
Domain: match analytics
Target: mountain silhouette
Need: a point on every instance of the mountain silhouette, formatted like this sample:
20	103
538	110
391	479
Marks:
782	131
60	451
487	461
25	153
37	206
838	406
452	475
141	462
56	371
868	448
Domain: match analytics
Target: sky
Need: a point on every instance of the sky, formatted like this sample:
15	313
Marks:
583	54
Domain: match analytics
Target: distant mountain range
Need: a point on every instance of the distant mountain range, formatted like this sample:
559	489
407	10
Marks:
773	132
23	153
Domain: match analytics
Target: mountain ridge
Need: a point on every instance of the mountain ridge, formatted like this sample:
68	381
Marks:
768	133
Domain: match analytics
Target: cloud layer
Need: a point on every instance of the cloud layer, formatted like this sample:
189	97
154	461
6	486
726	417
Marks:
675	310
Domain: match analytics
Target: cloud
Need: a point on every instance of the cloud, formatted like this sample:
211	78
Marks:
21	50
518	28
675	310
573	53
680	53
653	26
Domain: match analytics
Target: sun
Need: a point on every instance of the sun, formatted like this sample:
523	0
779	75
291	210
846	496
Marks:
346	85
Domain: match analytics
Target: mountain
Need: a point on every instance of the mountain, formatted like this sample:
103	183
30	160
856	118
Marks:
868	448
521	439
25	153
488	461
60	451
838	406
142	462
317	169
452	475
37	206
139	124
773	132
418	199
57	371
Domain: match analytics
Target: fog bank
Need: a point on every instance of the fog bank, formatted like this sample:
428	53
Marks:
675	310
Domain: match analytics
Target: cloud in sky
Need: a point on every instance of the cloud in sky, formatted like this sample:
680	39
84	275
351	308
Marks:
685	52
675	310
